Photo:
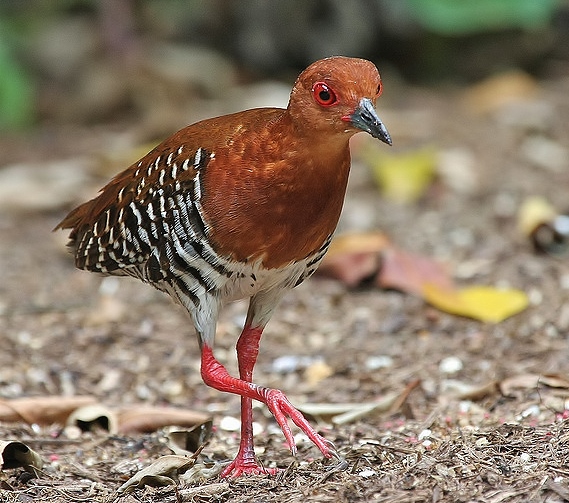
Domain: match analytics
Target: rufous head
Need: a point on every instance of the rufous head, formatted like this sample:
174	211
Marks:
337	95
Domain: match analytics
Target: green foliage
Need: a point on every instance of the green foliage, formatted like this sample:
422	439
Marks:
16	87
457	17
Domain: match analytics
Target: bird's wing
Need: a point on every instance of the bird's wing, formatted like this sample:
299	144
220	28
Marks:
154	201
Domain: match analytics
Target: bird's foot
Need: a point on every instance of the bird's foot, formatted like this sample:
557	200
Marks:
281	408
240	466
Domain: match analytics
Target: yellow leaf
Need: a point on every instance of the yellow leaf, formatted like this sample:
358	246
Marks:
479	302
404	177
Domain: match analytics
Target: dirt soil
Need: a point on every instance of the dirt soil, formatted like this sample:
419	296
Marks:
488	425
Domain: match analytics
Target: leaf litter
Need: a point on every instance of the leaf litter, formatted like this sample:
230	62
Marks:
494	429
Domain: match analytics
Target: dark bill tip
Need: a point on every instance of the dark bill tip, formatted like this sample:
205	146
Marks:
365	118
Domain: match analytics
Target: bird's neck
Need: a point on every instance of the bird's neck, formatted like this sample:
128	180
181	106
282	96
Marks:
307	137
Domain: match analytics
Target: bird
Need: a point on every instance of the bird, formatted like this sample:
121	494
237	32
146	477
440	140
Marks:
241	206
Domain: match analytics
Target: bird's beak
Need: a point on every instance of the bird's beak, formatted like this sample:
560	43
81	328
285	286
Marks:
365	118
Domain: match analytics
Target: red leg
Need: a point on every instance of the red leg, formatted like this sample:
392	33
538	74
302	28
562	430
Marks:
245	462
215	375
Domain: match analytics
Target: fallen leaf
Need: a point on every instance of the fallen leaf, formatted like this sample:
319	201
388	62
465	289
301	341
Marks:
417	275
532	381
200	472
19	455
467	391
555	380
482	303
164	471
93	417
189	442
410	272
405	176
42	409
147	419
341	413
212	492
352	258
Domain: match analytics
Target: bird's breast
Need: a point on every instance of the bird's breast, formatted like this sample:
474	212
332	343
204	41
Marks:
274	212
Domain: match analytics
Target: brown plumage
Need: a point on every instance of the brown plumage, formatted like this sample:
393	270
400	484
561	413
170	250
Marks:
237	206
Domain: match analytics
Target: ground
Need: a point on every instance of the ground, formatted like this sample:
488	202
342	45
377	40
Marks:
488	426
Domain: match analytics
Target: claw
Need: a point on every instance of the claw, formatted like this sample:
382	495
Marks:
340	466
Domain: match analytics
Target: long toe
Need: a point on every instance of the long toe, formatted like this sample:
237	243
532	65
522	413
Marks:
281	408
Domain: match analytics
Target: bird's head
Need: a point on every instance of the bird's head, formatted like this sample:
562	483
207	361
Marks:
337	95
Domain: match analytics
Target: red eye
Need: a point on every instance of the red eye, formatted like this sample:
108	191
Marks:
379	90
324	95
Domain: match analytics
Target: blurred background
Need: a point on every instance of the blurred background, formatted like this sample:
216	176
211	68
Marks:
158	64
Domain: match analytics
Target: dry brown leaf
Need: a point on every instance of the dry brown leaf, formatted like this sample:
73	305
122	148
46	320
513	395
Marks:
164	471
147	419
210	491
341	413
410	272
201	471
356	257
555	380
478	392
532	381
351	269
353	258
189	442
19	455
92	417
42	409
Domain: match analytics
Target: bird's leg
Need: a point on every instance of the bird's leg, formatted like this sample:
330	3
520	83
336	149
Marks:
245	462
215	375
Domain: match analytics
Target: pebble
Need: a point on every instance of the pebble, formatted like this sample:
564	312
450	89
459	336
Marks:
451	365
378	362
230	423
300	438
287	364
532	410
525	457
535	296
257	428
